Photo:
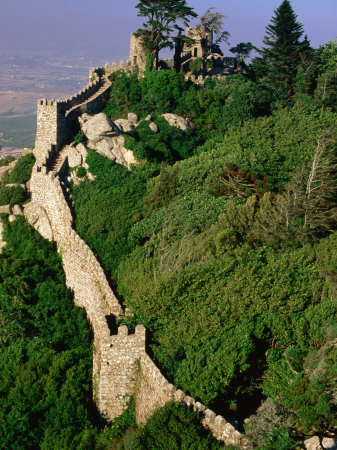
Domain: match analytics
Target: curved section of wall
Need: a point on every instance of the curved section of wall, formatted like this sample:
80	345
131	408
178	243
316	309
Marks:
121	366
84	274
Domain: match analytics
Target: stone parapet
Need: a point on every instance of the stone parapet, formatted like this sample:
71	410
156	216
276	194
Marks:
120	356
154	391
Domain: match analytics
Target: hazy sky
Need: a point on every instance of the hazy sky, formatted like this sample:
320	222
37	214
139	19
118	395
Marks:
101	28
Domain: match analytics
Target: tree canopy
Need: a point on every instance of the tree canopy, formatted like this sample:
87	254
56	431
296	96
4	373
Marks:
211	24
163	17
283	53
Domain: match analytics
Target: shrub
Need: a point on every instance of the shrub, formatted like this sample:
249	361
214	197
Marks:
174	427
80	138
125	95
195	65
168	144
22	170
81	172
45	347
6	160
10	195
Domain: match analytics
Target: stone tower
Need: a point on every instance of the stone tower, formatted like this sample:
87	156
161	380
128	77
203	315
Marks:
196	49
137	53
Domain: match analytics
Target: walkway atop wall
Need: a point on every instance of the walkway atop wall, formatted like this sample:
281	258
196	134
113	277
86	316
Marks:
106	84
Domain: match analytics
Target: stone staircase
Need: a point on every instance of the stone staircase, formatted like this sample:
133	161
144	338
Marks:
56	162
106	84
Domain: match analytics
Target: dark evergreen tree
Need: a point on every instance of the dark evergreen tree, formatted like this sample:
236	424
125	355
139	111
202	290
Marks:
326	92
282	55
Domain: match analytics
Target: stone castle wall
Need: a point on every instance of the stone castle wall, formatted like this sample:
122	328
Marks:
121	366
154	391
119	370
57	119
137	53
84	275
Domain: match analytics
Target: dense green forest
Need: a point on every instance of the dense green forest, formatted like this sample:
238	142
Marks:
222	241
46	360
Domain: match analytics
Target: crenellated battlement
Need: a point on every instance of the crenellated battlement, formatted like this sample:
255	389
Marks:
114	67
57	120
47	103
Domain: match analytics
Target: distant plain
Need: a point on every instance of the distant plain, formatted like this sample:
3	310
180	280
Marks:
24	80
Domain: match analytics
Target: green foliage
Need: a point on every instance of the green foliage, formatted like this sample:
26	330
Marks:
218	104
157	92
6	160
12	195
325	93
80	138
160	190
271	147
125	95
243	299
280	439
242	51
268	418
195	65
105	209
45	347
310	395
282	55
22	169
161	91
149	66
168	144
174	427
81	172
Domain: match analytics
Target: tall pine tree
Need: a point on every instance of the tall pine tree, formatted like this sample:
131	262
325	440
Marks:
282	55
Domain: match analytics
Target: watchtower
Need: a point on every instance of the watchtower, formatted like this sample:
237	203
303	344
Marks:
201	40
137	52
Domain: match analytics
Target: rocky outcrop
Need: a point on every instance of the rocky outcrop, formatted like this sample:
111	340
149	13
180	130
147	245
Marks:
97	127
75	157
115	150
5	209
153	127
177	121
125	126
314	444
26	151
106	137
133	118
37	217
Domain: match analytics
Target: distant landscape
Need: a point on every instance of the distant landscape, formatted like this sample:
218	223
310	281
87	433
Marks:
24	80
